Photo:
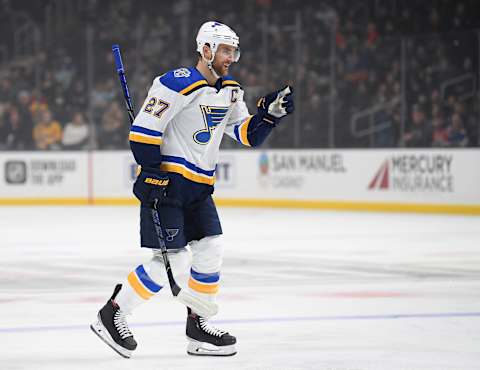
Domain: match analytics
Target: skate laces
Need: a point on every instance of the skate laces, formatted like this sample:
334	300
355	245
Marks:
121	325
210	329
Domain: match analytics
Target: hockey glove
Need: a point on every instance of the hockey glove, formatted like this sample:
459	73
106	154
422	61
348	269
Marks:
151	184
276	105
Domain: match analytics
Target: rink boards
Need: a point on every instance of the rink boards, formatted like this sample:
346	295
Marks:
444	181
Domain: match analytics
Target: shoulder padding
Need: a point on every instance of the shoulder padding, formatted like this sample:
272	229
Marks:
183	80
229	81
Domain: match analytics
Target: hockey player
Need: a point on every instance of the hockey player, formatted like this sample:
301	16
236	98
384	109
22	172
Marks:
175	138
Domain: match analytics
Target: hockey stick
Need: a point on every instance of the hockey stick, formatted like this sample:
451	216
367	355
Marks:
200	306
123	80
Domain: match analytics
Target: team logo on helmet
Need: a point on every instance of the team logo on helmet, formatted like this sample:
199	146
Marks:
216	33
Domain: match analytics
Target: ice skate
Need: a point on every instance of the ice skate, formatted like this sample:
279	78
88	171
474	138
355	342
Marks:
206	340
111	327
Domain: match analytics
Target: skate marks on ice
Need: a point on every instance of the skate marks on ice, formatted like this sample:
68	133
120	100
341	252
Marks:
344	291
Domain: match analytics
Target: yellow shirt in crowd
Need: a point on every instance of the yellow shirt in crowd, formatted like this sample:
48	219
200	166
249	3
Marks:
47	133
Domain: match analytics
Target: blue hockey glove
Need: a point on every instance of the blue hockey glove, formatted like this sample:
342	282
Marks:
151	184
276	105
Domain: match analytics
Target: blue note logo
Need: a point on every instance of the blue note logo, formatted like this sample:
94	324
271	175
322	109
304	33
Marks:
171	233
212	117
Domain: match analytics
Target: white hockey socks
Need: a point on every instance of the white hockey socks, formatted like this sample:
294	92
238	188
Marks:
207	256
148	279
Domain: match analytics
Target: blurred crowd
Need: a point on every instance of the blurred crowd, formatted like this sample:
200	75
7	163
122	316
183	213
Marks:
386	73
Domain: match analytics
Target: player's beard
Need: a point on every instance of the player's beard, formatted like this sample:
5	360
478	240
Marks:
220	69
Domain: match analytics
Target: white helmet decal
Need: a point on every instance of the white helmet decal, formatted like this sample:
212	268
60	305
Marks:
214	34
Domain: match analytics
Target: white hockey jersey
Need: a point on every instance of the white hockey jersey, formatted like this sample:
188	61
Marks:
187	118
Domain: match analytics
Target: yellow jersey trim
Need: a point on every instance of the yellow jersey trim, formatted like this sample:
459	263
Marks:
244	131
193	86
188	174
144	139
230	82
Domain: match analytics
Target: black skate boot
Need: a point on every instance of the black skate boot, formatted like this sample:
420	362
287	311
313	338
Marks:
206	340
111	327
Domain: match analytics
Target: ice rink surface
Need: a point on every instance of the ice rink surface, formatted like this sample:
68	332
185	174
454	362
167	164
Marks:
300	290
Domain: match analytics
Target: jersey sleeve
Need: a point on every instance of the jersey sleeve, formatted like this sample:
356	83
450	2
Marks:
160	107
238	121
247	129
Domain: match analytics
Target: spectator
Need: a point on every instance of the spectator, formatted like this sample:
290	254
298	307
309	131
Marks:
103	93
6	91
372	34
26	121
113	132
38	103
58	106
47	132
385	137
457	136
48	85
14	131
310	133
65	73
439	134
76	133
364	40
4	127
419	135
77	98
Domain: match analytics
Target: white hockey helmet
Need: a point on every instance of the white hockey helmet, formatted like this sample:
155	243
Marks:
214	34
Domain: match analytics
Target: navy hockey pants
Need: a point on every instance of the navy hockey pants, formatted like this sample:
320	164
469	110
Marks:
194	218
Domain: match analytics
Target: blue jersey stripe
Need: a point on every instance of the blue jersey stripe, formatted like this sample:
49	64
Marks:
146	280
213	277
146	131
190	166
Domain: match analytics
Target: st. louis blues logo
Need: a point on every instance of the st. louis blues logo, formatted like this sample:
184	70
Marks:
212	116
171	233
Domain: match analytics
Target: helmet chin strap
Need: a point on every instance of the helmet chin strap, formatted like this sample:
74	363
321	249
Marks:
210	65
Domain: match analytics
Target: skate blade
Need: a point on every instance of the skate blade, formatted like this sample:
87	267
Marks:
98	328
196	348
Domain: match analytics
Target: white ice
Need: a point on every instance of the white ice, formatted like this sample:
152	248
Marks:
300	290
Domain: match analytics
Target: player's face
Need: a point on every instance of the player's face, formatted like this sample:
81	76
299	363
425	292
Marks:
224	56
